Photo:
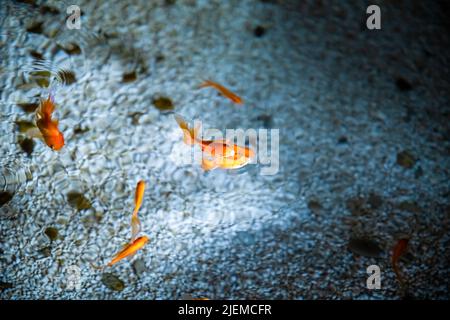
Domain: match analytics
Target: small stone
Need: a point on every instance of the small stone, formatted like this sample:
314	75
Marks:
51	233
28	107
72	49
37	55
112	282
169	2
66	77
364	247
27	145
266	119
41	78
163	103
78	201
259	31
405	159
129	77
44	9
45	251
35	27
5	197
403	84
314	206
135	116
24	125
342	140
159	57
139	267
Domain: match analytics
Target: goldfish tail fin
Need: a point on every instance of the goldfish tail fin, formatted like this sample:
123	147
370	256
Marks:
135	227
206	83
46	108
189	134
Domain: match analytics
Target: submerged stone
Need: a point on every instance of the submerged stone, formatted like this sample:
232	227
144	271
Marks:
112	282
5	197
405	159
66	77
72	49
139	267
24	125
35	27
163	103
129	77
41	78
364	247
78	201
28	107
45	251
403	84
27	145
51	233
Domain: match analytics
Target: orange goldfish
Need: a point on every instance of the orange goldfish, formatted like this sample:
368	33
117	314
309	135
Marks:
216	153
47	126
135	222
129	250
397	252
224	91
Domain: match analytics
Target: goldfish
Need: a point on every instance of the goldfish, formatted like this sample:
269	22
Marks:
224	91
48	127
129	250
135	222
399	249
218	153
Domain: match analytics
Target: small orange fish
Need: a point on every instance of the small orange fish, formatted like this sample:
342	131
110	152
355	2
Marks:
216	153
129	250
135	222
47	126
399	249
224	91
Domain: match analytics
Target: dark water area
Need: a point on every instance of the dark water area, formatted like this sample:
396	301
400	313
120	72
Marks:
344	156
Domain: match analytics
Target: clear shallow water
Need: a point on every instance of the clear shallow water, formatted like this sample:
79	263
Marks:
343	122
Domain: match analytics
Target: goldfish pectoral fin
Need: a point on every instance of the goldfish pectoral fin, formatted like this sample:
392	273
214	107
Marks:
34	133
208	165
